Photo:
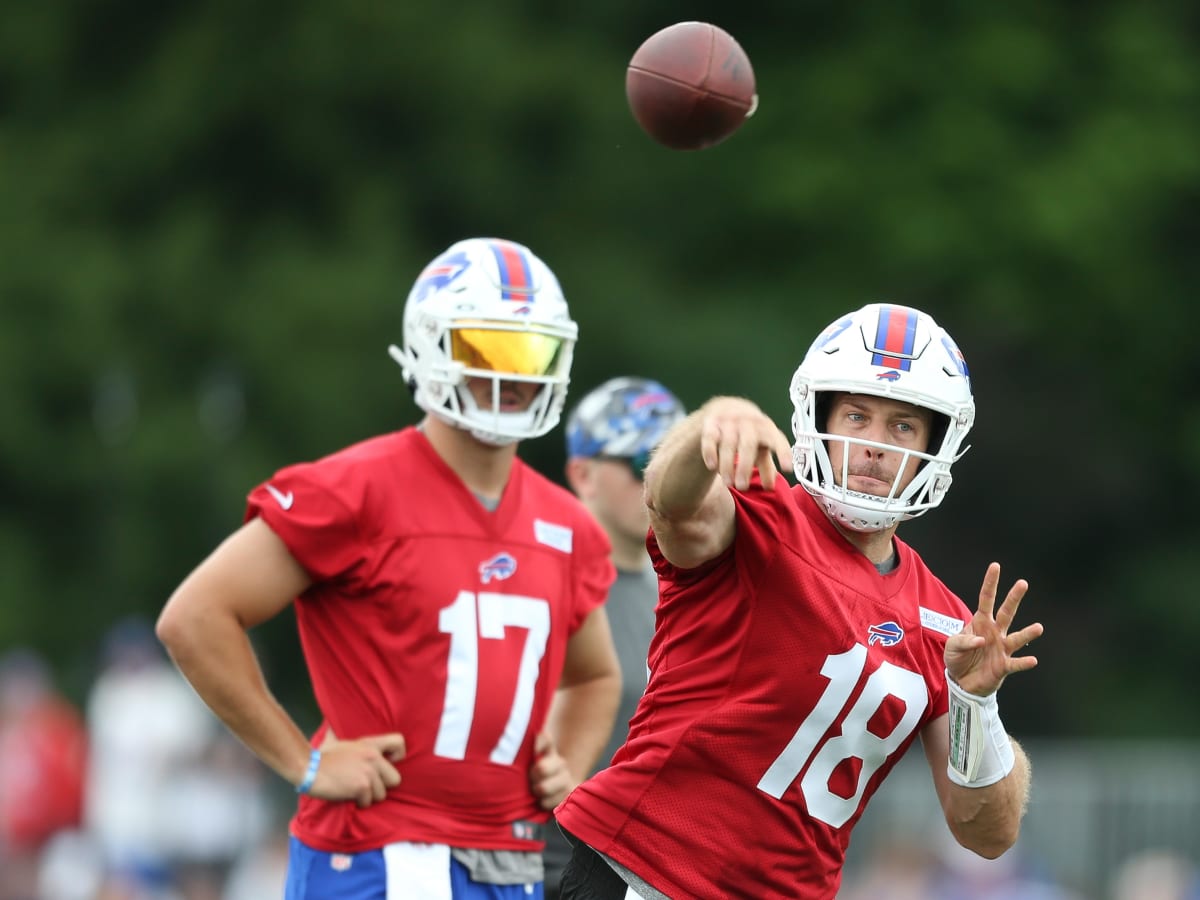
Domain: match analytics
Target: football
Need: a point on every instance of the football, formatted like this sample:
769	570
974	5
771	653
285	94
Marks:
690	86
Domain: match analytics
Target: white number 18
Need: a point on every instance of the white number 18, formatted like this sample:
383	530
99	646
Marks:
854	741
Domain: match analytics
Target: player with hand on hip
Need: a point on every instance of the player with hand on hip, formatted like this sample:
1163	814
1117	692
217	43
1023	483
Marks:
801	646
449	604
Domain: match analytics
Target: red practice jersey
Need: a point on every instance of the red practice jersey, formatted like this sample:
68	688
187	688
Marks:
787	678
435	618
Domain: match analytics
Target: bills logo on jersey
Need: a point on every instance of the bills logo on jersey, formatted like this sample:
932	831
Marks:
341	862
440	274
500	566
886	635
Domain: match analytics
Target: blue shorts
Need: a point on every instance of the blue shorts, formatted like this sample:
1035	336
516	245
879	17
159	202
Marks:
396	872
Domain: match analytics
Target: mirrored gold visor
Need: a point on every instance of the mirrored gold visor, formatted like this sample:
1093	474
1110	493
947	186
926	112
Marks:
511	352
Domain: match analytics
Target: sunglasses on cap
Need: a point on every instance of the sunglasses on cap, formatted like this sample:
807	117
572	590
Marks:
636	463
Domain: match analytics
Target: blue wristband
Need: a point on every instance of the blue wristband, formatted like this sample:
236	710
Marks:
314	762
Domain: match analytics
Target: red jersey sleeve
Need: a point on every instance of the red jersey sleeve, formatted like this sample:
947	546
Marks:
757	514
314	523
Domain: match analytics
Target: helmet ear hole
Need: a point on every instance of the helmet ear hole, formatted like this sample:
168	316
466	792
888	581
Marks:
824	400
937	432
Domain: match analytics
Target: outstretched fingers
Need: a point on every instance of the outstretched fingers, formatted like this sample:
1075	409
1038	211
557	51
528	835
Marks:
981	656
1012	602
1018	641
987	592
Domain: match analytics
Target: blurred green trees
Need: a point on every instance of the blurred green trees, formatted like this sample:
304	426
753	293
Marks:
213	213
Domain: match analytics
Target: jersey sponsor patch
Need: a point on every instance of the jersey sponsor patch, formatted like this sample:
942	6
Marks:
557	536
499	567
936	621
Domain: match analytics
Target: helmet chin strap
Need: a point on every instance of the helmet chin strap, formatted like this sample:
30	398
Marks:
858	519
511	421
491	438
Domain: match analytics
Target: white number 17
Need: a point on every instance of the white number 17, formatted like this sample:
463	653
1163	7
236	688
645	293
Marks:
466	626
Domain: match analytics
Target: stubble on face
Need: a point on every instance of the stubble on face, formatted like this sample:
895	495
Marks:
898	424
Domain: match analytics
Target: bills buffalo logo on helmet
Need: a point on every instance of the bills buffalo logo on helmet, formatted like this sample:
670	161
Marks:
440	273
886	635
499	567
890	375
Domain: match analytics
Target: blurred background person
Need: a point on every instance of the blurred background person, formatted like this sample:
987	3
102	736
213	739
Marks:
150	735
927	864
1158	873
261	871
217	810
72	868
610	434
43	755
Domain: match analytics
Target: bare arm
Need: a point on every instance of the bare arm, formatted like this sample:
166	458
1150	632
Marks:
582	714
984	819
687	481
250	578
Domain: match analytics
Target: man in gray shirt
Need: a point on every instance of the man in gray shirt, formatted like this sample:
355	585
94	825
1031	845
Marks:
610	434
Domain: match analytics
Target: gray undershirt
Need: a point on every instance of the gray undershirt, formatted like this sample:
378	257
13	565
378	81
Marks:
488	503
501	866
644	890
889	564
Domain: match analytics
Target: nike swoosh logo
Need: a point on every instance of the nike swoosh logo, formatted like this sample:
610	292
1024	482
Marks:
284	500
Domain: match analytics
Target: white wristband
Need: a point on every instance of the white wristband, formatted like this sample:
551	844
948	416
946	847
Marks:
980	750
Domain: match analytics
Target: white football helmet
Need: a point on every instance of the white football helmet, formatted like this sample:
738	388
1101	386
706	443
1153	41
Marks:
886	351
487	308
